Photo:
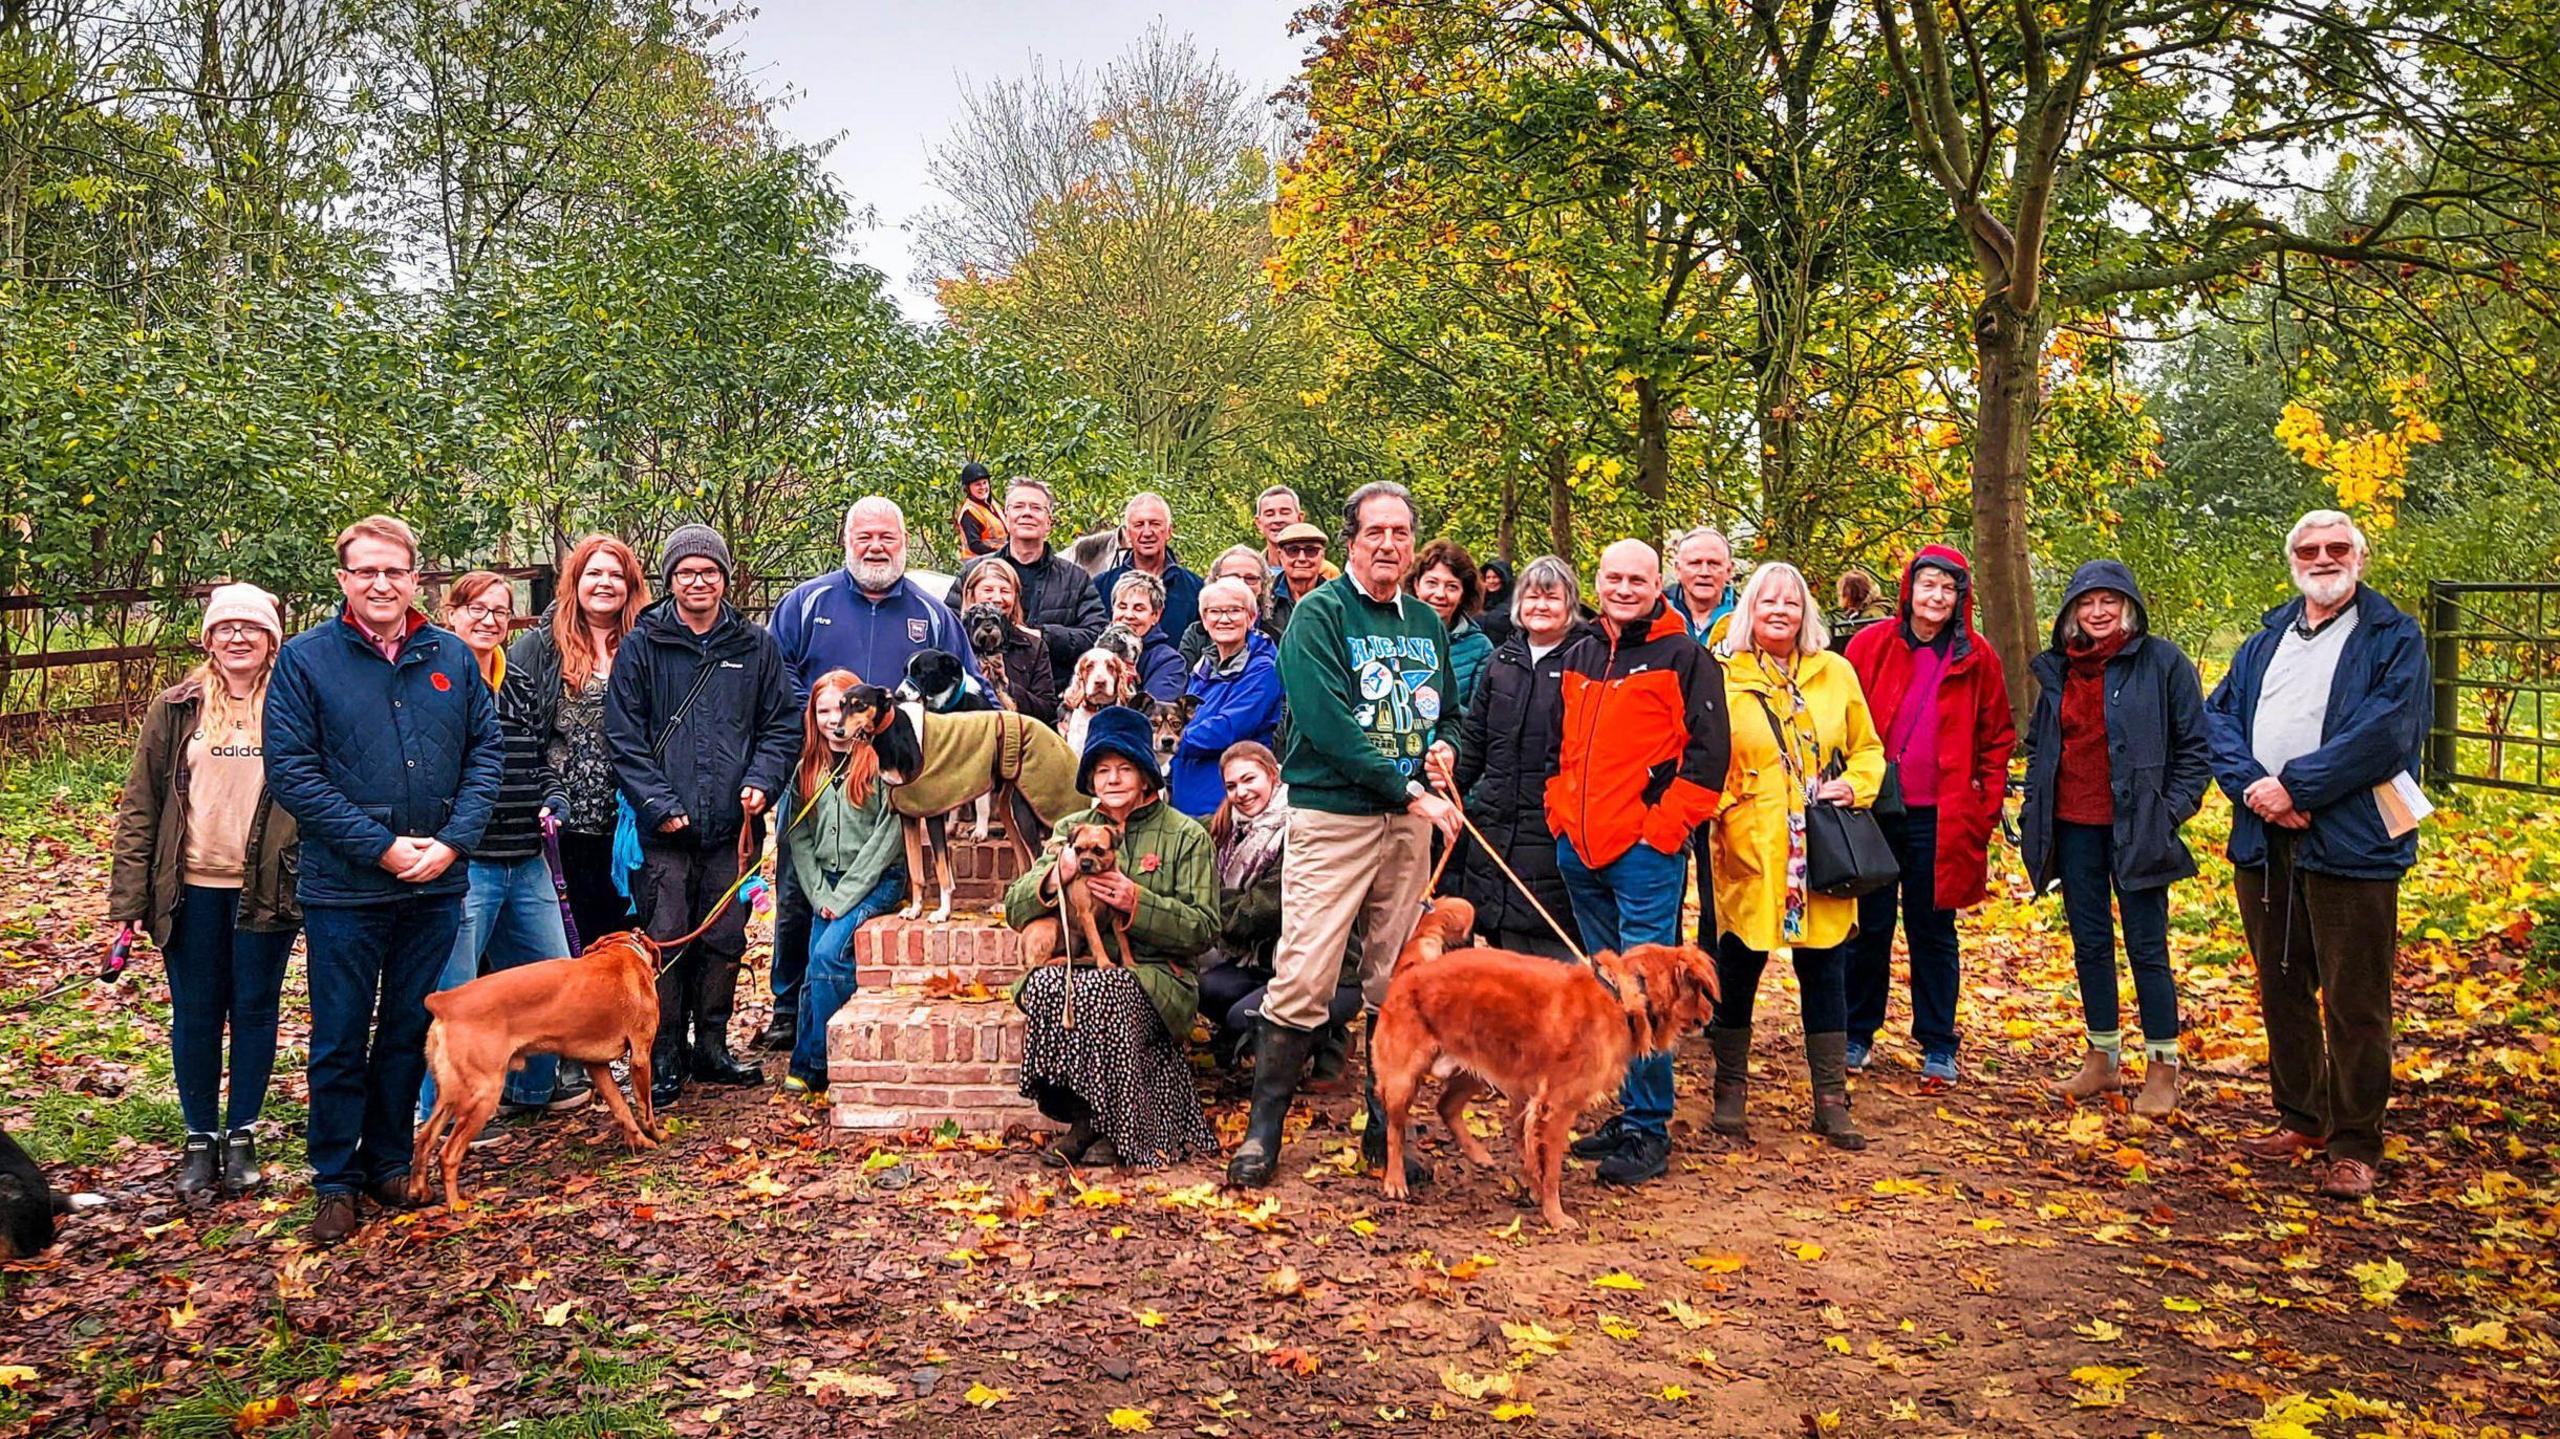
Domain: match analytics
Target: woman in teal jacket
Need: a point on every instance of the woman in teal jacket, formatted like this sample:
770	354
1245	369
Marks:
1118	1079
848	852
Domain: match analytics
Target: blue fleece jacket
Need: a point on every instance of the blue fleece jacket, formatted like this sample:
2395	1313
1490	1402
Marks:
829	623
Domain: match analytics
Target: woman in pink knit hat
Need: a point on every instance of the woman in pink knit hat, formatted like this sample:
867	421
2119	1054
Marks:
204	863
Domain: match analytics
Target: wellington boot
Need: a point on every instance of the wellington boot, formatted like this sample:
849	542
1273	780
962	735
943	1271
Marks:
1279	1053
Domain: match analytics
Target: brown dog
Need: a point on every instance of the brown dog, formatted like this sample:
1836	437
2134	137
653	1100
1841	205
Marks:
1548	1034
1447	923
588	1010
1092	848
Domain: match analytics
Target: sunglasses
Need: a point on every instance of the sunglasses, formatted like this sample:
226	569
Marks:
2334	549
1302	547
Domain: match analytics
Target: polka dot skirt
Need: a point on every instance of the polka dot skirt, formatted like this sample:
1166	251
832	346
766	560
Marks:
1118	1060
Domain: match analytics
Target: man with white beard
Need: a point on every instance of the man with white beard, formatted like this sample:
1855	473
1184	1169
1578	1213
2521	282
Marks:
869	618
2320	720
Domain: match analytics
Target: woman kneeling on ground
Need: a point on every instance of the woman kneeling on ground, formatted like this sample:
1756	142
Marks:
1248	834
201	854
1801	736
1118	1079
850	856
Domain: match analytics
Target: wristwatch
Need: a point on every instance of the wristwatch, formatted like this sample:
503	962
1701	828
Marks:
1413	789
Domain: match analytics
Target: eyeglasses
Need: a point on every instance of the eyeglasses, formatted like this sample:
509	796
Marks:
227	633
378	576
1228	612
1302	548
696	579
478	611
2334	549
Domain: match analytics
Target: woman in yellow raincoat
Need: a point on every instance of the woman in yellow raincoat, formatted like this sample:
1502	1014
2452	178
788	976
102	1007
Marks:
1801	734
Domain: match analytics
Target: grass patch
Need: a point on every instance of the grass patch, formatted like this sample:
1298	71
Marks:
595	1419
82	1129
247	1376
62	786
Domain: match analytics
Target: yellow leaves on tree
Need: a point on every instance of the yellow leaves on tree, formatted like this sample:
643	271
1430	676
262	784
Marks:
2366	467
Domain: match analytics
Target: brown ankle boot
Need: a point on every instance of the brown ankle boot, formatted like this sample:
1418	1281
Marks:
2160	1089
2096	1079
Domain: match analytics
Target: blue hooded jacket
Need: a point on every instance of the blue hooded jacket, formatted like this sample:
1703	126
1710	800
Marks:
2158	767
2375	727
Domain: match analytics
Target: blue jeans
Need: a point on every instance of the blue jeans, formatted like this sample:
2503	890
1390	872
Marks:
221	974
2084	858
372	967
1632	900
829	980
1929	930
510	916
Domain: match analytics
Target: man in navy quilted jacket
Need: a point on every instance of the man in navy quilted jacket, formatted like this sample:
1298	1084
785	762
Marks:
383	743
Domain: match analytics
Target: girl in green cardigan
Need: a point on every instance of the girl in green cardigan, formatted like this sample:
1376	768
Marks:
850	859
1118	1079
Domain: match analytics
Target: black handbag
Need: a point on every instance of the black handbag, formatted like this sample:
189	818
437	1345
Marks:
1845	852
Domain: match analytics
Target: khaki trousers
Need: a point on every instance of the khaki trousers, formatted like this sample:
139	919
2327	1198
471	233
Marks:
1337	869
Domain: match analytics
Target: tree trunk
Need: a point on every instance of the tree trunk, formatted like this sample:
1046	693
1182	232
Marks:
2007	346
1560	502
1507	527
1653	453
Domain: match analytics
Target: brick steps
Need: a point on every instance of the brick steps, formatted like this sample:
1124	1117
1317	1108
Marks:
897	1060
897	953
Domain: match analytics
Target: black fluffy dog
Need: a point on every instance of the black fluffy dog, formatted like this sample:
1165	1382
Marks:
27	1204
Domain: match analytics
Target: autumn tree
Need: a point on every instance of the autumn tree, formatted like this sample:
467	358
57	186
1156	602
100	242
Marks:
2099	156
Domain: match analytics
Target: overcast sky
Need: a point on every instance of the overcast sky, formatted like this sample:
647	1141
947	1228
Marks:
883	79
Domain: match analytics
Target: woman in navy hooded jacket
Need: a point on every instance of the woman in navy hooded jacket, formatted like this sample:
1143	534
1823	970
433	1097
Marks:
1237	684
2117	763
1941	702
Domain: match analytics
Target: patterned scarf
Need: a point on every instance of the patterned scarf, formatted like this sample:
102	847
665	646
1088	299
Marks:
1795	731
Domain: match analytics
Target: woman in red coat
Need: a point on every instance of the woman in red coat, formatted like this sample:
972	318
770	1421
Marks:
1942	704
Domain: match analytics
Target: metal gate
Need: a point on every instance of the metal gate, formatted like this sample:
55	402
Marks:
2495	651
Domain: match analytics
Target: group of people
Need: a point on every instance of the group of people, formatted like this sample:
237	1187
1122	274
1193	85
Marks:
425	801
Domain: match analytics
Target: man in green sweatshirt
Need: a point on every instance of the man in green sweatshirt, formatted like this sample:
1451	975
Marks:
1373	725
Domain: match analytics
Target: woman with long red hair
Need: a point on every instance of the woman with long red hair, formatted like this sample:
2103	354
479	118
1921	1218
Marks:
849	856
567	664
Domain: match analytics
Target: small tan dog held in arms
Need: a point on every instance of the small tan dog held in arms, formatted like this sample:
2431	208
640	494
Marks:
1447	923
1092	848
1553	1036
586	1010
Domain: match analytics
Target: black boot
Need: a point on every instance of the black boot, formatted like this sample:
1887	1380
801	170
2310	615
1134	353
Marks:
778	1035
1827	1056
196	1166
240	1162
1279	1053
713	1064
1373	1134
668	1061
1732	1048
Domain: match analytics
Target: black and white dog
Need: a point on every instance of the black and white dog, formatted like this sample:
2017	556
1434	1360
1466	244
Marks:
937	680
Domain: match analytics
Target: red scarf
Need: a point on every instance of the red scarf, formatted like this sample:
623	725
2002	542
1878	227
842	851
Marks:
2083	788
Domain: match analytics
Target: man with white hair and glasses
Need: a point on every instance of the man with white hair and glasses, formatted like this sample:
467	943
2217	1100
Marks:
2316	733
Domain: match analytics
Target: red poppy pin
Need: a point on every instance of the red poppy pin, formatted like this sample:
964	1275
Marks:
439	680
1151	864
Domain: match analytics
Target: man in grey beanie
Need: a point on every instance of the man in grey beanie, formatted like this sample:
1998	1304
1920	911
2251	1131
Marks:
704	734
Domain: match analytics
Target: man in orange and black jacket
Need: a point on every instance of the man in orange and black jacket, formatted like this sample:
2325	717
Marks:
1644	749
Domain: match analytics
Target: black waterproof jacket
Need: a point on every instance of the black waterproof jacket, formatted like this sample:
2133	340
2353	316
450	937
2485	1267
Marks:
1507	750
740	729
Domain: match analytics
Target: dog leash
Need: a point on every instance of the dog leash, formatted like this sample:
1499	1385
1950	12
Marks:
1525	892
674	948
